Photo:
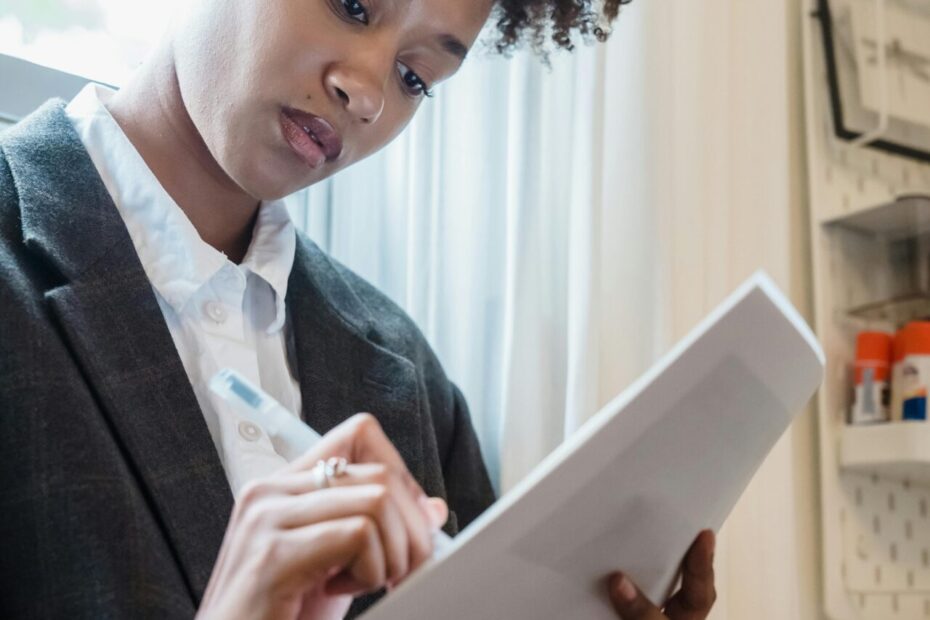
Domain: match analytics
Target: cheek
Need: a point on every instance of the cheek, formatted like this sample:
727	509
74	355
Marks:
213	69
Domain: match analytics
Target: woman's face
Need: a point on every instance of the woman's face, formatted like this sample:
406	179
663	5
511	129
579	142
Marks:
286	92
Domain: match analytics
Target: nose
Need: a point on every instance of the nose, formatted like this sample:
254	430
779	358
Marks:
360	92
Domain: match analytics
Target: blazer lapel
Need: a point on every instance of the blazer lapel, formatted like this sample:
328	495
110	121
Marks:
110	318
343	369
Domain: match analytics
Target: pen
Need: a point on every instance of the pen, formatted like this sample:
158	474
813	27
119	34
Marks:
291	437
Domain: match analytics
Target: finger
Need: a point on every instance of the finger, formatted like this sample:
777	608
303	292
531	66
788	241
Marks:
372	500
698	593
437	509
300	482
360	439
224	566
629	602
352	543
343	583
249	496
418	516
415	514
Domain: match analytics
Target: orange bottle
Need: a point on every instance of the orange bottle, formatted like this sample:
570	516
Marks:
872	370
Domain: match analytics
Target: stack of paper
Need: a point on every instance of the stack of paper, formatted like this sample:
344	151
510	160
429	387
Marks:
632	488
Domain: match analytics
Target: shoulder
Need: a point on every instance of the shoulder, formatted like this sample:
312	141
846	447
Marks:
24	273
7	194
10	220
28	151
8	198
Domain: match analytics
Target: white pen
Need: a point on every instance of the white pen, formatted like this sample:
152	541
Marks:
291	437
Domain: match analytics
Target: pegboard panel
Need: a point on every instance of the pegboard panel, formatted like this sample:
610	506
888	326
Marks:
885	606
886	538
852	179
875	532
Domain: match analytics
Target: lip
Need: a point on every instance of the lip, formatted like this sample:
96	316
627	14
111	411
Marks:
311	137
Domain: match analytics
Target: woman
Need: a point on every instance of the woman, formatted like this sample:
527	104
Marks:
143	247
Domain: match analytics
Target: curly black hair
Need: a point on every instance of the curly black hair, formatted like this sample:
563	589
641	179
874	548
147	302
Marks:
544	25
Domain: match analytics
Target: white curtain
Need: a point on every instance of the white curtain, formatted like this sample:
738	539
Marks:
553	232
478	221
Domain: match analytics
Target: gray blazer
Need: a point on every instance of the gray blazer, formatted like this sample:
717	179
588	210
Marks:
113	502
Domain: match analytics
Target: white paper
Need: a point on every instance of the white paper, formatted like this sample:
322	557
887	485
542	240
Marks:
632	488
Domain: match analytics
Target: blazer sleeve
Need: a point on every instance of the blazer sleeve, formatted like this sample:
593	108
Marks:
468	486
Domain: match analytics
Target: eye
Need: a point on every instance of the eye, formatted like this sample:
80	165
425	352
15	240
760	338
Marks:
413	83
355	10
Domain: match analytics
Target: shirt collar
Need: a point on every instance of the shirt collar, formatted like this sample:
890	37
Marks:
175	259
271	253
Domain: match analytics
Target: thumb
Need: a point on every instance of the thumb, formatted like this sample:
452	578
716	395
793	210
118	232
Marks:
629	601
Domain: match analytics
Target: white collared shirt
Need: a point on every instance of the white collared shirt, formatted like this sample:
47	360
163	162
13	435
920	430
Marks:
219	314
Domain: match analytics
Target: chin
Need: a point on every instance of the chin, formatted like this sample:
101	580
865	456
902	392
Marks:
268	179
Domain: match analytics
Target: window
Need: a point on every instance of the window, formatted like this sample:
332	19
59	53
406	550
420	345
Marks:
99	39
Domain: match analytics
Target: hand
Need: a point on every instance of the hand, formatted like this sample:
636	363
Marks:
692	602
294	550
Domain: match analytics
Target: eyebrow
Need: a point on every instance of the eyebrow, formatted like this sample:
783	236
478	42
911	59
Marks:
452	45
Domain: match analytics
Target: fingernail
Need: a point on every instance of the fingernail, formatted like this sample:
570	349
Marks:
626	589
436	510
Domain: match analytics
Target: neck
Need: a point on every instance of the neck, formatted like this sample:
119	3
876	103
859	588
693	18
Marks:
152	114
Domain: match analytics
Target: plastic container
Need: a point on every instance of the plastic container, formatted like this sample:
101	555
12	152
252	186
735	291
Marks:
872	373
911	372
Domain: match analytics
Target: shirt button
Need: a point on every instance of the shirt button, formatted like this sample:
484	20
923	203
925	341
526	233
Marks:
249	431
215	311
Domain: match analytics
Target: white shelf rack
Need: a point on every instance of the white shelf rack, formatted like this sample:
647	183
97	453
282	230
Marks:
870	218
904	217
897	451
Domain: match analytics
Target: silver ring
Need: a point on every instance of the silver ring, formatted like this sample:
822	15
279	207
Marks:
325	471
336	467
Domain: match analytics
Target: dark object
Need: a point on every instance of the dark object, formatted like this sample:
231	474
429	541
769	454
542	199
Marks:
547	24
902	138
